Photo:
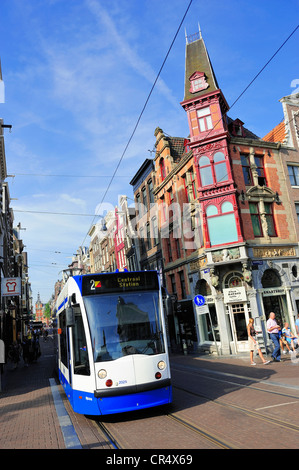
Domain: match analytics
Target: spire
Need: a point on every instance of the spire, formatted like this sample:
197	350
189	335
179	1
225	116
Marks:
197	60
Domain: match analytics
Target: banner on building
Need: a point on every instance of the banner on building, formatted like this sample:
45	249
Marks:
11	286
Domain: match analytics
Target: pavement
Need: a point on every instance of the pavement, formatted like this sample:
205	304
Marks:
35	413
34	410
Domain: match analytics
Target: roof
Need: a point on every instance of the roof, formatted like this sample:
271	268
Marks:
177	147
197	60
278	134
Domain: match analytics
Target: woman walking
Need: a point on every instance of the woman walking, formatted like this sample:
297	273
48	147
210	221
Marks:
253	344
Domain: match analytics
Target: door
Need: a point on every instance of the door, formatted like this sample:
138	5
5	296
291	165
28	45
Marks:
239	318
278	305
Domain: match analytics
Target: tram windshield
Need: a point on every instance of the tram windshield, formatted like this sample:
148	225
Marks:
124	323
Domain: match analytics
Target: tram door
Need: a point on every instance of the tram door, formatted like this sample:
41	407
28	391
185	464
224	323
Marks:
239	318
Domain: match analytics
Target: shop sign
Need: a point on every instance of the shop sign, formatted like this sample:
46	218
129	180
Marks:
234	294
11	286
273	291
202	309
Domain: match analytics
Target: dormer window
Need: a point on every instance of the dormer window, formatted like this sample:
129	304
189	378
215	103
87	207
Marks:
237	128
198	82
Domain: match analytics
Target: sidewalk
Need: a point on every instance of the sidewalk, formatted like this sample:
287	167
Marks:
28	416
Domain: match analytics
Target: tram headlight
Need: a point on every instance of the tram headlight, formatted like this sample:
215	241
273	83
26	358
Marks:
161	365
102	374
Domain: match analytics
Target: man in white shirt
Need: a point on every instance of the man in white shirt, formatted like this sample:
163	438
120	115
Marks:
273	329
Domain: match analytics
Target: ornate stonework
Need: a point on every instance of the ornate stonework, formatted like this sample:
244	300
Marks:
274	252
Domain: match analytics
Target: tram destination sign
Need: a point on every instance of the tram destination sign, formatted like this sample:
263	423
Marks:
119	282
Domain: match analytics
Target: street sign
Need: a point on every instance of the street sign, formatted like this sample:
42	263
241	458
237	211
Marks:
199	300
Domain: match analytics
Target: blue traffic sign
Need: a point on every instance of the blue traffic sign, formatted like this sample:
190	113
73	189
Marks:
199	300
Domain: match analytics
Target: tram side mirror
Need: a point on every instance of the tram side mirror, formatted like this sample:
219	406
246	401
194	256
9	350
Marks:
70	316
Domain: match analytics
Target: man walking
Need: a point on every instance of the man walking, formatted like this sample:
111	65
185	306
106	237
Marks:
273	329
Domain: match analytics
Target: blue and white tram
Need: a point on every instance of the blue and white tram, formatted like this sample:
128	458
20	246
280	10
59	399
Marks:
112	348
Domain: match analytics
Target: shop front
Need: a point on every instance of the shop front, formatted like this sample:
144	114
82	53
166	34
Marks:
238	311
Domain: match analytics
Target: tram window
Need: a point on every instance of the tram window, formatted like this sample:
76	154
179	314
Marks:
62	337
80	353
125	324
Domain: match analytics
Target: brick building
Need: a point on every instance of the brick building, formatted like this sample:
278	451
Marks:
247	223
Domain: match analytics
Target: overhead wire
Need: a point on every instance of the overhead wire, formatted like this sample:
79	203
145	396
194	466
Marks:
136	126
141	113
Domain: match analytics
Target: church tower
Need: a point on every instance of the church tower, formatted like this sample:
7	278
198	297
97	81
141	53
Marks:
206	110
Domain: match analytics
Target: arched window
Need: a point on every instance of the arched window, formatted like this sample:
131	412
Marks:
271	278
205	171
222	225
220	167
233	279
202	288
162	169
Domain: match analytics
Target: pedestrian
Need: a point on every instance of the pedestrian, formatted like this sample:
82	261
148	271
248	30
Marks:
14	353
25	347
297	325
273	328
253	343
290	338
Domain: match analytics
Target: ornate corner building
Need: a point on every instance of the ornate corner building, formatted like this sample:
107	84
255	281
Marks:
241	194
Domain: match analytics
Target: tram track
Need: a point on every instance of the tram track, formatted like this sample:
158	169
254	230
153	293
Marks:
112	441
249	412
204	434
118	438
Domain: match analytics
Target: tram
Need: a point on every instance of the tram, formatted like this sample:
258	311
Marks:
112	347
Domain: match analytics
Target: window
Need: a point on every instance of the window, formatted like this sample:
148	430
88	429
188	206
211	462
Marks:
193	183
142	244
80	352
222	224
148	237
246	169
204	119
182	282
144	199
155	230
170	196
169	249
259	161
198	82
177	246
138	204
162	169
220	167
233	279
255	219
297	210
257	222
270	220
294	174
213	173
172	281
205	171
185	188
62	338
151	192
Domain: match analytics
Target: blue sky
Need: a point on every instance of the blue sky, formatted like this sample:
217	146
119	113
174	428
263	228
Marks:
77	74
